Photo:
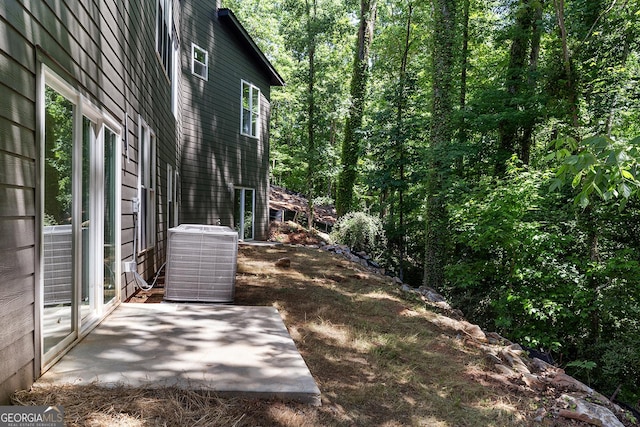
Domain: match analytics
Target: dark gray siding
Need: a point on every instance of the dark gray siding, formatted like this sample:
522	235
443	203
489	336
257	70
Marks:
107	48
215	157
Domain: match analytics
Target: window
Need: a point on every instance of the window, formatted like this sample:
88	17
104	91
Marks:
164	34
250	118
146	187
199	62
175	76
243	217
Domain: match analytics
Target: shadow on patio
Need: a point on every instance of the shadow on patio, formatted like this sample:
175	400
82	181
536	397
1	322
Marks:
231	350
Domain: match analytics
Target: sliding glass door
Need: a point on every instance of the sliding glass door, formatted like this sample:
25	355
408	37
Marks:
80	216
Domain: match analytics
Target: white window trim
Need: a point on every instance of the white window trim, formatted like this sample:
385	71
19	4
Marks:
252	87
195	62
149	222
175	95
164	12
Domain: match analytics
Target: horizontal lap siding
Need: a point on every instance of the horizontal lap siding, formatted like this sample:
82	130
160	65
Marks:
215	158
108	49
17	205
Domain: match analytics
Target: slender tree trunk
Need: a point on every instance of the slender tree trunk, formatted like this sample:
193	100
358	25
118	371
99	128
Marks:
566	60
515	82
464	65
311	155
440	138
402	101
536	34
351	144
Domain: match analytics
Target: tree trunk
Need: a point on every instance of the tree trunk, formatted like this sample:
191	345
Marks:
464	65
402	101
311	154
351	144
536	34
440	136
515	83
566	60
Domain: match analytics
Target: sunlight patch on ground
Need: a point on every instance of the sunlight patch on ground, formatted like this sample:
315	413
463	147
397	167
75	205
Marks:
339	334
113	419
381	295
428	422
291	417
499	406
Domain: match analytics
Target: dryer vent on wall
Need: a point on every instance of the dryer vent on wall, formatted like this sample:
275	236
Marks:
201	263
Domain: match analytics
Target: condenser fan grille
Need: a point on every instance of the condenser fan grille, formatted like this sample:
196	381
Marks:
201	263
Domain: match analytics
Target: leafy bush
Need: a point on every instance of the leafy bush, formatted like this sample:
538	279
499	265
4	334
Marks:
361	232
323	201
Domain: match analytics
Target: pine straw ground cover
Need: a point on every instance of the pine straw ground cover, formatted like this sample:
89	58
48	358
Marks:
378	358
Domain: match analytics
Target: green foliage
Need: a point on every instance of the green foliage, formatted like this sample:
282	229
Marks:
511	257
528	262
597	165
58	156
585	366
361	232
322	201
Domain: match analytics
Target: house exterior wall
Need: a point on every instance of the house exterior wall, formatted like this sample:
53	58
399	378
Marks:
216	158
106	50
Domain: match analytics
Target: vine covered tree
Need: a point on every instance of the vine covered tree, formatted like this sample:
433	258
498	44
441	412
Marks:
440	136
351	145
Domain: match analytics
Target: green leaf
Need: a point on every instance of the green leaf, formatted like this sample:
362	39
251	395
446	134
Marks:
626	174
576	179
556	184
624	190
583	200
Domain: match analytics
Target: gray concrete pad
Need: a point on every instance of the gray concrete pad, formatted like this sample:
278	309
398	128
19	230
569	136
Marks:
231	350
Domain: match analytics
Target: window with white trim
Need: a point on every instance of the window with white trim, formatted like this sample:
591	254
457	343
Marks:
164	34
146	186
199	62
250	116
175	75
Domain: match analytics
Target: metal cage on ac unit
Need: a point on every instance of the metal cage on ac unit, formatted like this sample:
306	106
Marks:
201	263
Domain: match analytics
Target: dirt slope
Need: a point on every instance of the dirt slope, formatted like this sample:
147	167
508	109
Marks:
380	356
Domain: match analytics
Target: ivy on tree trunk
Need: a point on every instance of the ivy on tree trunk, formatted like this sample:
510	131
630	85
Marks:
440	135
351	144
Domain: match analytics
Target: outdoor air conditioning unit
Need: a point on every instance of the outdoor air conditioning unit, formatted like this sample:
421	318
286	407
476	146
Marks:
201	263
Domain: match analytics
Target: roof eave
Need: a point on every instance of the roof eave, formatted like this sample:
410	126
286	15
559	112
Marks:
226	16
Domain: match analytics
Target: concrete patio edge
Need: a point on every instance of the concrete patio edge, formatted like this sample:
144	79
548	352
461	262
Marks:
232	351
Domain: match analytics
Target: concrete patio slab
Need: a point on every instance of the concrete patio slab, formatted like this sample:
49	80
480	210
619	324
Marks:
231	350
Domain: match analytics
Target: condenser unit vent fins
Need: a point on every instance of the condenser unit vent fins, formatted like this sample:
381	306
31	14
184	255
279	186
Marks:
201	263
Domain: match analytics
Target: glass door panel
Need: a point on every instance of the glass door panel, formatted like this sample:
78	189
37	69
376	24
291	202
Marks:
248	214
243	212
87	301
109	242
58	266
